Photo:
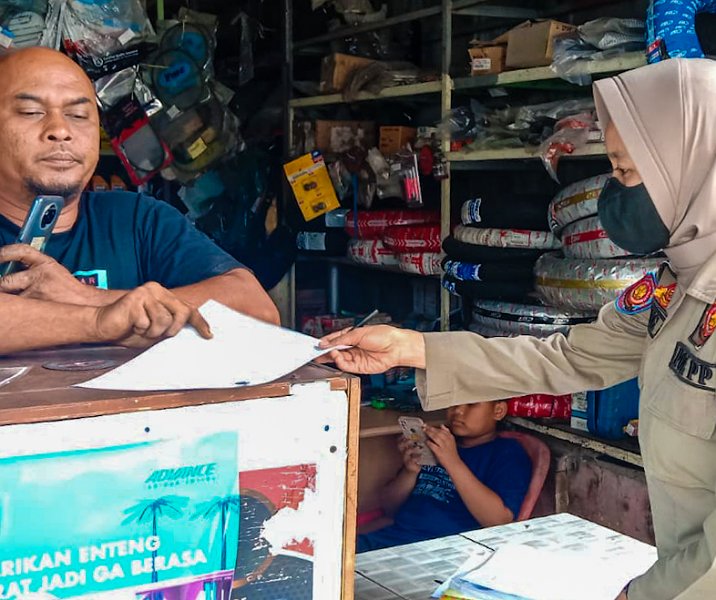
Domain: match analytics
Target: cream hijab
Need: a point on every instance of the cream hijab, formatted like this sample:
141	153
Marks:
666	115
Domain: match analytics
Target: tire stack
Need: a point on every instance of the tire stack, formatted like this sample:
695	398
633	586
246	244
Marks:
406	239
490	261
591	271
492	253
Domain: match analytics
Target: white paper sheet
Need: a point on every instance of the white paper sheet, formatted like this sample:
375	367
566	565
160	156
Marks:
242	352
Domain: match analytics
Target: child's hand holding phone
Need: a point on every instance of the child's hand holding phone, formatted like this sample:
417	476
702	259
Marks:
414	435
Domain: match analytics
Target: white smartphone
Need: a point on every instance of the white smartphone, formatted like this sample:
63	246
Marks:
413	430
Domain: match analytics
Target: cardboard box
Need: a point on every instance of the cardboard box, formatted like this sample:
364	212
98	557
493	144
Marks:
340	136
487	58
336	68
531	43
393	139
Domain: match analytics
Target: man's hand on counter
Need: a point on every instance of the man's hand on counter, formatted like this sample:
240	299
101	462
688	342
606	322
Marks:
375	349
146	315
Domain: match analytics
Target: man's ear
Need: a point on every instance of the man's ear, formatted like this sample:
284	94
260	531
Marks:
500	410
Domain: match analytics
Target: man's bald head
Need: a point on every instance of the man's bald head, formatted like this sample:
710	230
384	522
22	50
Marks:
49	125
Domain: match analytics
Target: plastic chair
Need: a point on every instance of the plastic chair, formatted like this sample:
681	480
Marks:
540	455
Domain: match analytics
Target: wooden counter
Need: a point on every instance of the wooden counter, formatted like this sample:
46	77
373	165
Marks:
294	450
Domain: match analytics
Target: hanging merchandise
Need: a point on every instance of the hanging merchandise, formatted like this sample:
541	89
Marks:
587	285
575	202
671	28
507	238
406	167
586	238
372	252
178	80
333	242
373	223
311	185
106	37
519	212
570	134
192	38
413	238
26	23
142	152
511	319
420	263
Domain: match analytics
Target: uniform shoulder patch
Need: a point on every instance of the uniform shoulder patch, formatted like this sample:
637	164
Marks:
638	297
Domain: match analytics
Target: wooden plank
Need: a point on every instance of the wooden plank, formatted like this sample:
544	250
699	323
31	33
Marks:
351	489
47	395
398	91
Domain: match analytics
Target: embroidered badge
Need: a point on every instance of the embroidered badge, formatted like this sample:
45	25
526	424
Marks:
706	327
638	296
691	370
663	295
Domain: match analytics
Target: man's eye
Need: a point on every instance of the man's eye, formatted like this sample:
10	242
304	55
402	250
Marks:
30	113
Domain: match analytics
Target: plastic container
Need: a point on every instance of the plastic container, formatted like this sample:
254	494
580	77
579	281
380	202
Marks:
608	411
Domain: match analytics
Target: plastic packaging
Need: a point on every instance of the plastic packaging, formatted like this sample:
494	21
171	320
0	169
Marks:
372	252
586	238
587	285
570	134
506	238
610	410
519	212
541	406
513	270
413	238
576	201
420	263
508	291
372	224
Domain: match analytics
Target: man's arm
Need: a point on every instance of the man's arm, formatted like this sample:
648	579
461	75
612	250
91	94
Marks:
139	318
46	279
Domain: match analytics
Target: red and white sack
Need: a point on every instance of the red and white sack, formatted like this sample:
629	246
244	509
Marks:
541	406
586	238
587	284
576	201
421	263
414	238
371	252
507	238
373	223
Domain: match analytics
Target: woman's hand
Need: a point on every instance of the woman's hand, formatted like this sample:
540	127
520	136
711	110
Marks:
375	349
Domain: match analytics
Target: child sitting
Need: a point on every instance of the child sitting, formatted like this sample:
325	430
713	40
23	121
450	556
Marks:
480	481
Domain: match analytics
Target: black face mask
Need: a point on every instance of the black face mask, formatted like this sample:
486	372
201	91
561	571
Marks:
629	217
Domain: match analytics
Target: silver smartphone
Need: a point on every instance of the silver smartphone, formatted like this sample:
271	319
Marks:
37	228
413	430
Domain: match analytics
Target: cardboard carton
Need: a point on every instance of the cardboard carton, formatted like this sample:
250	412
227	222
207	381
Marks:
336	68
393	139
531	43
340	136
487	58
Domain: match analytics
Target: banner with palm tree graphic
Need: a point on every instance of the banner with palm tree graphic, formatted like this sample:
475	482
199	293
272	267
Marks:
147	521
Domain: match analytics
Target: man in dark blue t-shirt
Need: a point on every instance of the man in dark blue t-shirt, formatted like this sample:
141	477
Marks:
115	242
480	480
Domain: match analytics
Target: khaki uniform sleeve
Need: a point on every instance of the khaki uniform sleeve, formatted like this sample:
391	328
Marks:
689	574
463	367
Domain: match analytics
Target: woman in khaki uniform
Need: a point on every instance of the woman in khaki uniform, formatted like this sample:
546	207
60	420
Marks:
660	128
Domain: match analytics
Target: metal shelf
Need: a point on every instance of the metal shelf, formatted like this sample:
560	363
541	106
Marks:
415	89
596	150
625	450
631	60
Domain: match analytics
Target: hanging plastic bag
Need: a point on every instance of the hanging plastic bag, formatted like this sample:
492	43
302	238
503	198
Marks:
571	133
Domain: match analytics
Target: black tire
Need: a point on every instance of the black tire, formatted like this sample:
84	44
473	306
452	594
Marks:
519	212
491	271
509	291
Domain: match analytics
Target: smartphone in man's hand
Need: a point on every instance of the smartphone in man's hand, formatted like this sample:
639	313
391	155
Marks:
37	228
